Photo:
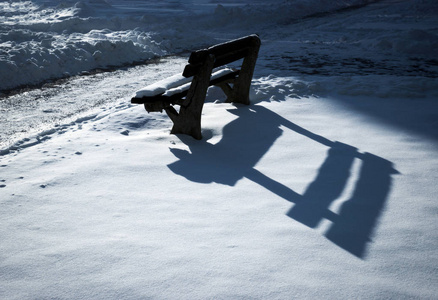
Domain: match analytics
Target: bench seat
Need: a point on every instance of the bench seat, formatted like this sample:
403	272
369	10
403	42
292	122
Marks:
176	87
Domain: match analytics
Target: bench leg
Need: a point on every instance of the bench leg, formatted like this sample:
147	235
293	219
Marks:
188	120
242	85
227	89
185	122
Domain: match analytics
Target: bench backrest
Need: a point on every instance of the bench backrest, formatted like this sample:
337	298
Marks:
224	53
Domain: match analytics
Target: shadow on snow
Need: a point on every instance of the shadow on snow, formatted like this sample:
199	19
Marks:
236	154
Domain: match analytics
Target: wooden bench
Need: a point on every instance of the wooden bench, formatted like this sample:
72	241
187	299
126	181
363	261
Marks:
189	89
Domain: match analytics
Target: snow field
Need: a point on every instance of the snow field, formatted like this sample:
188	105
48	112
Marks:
105	210
324	187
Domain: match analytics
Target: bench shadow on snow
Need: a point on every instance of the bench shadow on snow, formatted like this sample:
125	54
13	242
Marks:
247	138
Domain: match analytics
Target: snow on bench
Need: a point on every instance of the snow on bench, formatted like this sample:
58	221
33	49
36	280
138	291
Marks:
160	87
173	85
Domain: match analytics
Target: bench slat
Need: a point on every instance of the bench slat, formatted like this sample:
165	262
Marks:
224	53
227	47
192	68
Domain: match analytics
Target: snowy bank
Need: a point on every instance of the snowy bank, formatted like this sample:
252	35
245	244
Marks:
42	40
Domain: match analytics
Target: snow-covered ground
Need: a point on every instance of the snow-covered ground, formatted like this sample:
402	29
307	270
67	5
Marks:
325	187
